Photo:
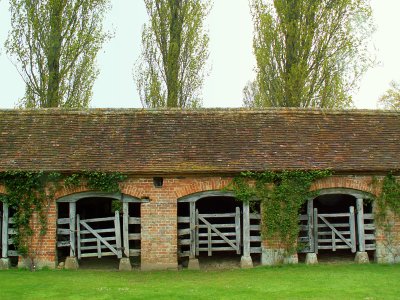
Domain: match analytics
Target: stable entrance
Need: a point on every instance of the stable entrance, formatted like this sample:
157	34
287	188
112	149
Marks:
215	224
97	225
337	221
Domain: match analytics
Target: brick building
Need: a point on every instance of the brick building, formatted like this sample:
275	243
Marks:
174	205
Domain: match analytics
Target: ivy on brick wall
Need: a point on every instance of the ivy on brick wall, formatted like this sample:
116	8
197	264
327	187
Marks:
281	195
98	181
389	198
28	193
387	203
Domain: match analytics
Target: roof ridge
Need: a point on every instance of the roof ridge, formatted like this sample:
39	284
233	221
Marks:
277	110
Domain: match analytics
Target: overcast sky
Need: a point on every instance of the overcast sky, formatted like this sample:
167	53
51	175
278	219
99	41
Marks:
231	58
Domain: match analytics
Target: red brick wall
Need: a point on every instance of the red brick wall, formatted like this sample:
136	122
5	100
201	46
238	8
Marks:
159	215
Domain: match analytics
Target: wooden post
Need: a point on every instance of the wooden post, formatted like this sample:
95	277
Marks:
315	230
352	230
197	233
246	229
192	218
237	230
98	249
360	224
209	239
333	241
72	222
125	227
4	242
118	234
78	235
310	221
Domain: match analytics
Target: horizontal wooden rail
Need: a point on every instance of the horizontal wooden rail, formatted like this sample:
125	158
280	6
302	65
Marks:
134	221
134	236
99	220
98	231
183	219
134	252
63	221
255	216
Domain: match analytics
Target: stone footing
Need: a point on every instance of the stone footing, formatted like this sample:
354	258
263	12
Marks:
311	259
71	263
193	264
36	264
246	262
272	257
361	258
158	267
4	263
291	259
125	264
387	254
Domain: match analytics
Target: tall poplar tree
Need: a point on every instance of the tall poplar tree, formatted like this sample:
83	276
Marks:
171	69
309	53
54	44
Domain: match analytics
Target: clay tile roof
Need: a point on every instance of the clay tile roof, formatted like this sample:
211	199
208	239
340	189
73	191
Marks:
199	141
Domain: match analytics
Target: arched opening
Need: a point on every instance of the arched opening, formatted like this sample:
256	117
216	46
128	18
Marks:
211	229
336	224
99	229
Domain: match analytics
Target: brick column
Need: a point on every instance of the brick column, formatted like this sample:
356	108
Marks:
43	247
159	235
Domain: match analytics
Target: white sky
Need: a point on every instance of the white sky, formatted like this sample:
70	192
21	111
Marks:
231	57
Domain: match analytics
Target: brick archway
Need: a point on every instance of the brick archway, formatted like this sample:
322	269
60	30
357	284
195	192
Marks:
214	184
360	184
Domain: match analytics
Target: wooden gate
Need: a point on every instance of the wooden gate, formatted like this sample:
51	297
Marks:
335	231
218	232
102	241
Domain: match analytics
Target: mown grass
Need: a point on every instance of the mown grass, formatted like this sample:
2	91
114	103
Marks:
286	282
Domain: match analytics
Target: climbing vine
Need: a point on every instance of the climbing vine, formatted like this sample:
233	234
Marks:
29	193
281	195
100	181
389	198
388	203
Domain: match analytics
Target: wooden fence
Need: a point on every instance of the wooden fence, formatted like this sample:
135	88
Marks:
255	233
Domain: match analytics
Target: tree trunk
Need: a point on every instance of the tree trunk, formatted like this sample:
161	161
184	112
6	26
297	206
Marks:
174	53
54	54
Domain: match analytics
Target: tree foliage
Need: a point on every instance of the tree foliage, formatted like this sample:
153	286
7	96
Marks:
171	69
54	44
391	98
309	53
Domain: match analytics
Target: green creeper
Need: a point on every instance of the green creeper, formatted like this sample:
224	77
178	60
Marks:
171	69
309	53
54	44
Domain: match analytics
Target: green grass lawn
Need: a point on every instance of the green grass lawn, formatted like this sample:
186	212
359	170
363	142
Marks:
347	281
